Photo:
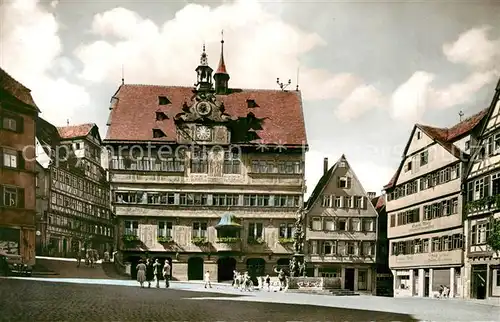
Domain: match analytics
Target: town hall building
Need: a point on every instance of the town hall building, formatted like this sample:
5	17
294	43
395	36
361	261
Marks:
209	177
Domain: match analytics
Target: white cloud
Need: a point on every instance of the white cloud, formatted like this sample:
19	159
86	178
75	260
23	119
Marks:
372	176
31	48
472	48
259	47
409	100
359	101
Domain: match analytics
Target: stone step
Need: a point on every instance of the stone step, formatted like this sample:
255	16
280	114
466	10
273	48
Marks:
343	292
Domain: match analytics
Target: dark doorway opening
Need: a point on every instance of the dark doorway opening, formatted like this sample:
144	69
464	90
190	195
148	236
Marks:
225	268
133	266
195	268
256	267
284	264
479	276
349	279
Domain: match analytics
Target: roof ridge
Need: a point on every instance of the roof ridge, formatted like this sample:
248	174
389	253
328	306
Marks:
235	88
456	124
81	124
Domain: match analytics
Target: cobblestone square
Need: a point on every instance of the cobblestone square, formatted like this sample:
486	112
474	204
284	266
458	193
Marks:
38	299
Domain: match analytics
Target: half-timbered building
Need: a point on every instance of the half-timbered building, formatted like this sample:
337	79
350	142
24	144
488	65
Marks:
482	207
77	213
341	229
424	207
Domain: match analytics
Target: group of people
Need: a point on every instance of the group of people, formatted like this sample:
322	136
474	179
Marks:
148	271
243	282
89	255
444	291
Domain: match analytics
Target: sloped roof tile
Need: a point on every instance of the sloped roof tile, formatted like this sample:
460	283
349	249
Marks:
16	89
446	137
75	131
133	117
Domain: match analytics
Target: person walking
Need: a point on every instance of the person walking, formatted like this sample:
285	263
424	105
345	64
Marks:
149	271
157	269
268	282
141	273
207	279
78	258
166	273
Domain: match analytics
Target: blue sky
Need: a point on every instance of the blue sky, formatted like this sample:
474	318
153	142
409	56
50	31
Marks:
368	69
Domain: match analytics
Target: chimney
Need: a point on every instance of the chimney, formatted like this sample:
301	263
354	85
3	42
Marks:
371	195
325	165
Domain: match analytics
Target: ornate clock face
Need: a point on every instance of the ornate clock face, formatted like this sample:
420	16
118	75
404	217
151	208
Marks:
203	108
203	133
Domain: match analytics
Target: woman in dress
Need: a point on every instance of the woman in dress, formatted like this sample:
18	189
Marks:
141	272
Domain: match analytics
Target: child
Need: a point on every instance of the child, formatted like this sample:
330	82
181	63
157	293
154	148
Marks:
207	279
268	282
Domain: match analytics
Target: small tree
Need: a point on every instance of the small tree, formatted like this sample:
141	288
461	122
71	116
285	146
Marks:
494	237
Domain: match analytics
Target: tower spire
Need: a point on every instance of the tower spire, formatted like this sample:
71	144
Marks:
204	73
221	76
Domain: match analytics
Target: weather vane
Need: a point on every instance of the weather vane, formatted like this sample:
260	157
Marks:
282	85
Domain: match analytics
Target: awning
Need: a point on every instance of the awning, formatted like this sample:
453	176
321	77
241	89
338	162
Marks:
228	221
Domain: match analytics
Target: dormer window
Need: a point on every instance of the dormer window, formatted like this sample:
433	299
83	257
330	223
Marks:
157	133
344	182
163	100
408	166
160	116
251	103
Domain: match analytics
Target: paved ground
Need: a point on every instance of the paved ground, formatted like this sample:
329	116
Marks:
39	299
32	300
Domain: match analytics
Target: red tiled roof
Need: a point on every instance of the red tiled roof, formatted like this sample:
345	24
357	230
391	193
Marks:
16	89
133	116
75	131
446	137
380	202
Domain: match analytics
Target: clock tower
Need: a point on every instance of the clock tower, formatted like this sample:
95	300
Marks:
203	119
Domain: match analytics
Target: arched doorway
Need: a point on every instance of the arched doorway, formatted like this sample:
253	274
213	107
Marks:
225	268
195	268
284	264
256	267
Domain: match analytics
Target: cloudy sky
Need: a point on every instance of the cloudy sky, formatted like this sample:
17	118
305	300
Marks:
368	69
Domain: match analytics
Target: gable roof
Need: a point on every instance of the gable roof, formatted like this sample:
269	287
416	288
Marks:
75	131
378	202
325	179
490	110
16	89
444	137
133	116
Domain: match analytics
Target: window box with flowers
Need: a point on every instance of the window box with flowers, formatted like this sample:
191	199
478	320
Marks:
228	240
286	240
165	239
199	241
485	203
130	239
255	241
